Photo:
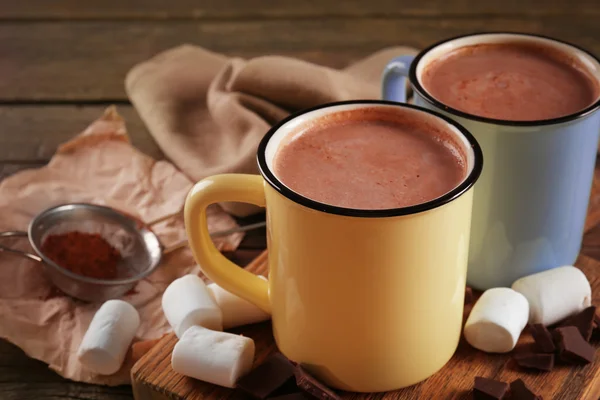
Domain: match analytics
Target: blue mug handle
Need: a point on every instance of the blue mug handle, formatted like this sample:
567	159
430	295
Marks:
393	86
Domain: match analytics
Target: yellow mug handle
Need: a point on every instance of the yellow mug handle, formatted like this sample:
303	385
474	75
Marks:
217	189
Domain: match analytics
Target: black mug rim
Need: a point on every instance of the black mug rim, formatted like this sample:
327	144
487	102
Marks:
453	194
417	87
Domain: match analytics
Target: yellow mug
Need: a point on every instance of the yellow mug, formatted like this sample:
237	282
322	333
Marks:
367	300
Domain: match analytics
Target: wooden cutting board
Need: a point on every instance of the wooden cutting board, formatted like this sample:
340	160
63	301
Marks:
153	378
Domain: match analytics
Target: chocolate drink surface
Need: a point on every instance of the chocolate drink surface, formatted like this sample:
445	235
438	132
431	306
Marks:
370	159
510	81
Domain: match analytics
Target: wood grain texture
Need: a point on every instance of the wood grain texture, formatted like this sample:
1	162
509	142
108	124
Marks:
32	133
88	61
190	9
591	243
154	379
23	378
593	214
74	52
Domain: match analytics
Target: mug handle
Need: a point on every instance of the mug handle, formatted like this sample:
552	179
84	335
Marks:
216	189
393	84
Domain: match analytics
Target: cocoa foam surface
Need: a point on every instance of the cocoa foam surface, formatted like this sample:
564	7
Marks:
514	81
372	158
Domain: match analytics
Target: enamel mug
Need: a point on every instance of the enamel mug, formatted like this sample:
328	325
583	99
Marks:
356	296
531	202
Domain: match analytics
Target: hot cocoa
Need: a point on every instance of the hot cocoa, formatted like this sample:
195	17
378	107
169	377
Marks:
510	81
370	159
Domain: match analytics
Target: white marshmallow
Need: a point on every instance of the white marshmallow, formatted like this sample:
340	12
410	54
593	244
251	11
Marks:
187	302
108	337
219	358
236	311
555	294
497	320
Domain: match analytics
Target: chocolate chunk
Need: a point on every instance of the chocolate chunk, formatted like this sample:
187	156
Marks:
264	380
584	321
293	396
555	338
573	348
543	338
309	384
468	295
541	361
489	389
596	331
520	391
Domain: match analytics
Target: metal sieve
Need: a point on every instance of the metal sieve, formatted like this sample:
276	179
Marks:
140	248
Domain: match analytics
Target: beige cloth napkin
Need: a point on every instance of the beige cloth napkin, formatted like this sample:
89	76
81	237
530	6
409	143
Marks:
99	166
208	112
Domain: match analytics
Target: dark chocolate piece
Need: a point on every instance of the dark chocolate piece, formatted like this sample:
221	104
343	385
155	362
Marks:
309	384
543	338
555	339
489	389
468	295
584	321
268	377
596	331
573	348
293	396
520	391
541	361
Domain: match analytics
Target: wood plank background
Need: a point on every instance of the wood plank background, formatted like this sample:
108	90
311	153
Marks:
63	61
193	9
98	54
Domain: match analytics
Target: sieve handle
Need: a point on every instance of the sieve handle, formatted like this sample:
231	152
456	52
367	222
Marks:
15	251
228	232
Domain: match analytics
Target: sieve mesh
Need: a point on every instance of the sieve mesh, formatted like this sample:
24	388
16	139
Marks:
138	251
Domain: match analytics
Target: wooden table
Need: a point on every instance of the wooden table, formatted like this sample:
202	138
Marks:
63	62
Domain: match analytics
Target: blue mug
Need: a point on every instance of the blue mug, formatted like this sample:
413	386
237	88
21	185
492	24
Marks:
530	203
